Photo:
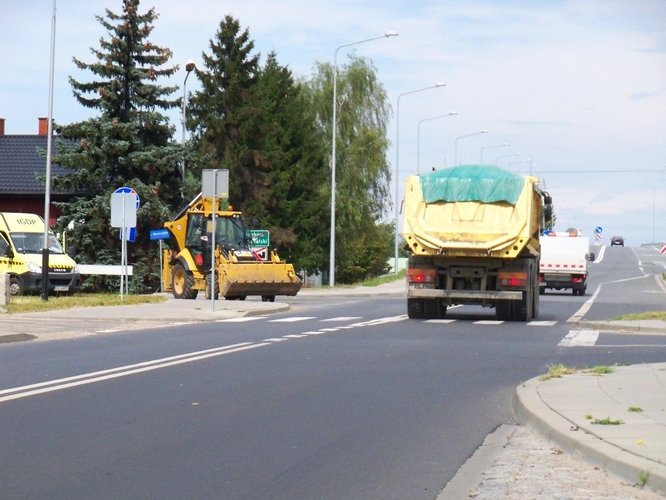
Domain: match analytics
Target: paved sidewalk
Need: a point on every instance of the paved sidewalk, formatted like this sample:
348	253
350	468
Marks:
617	420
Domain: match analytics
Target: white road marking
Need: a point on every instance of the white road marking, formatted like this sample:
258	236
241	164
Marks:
488	322
292	319
343	318
542	323
121	371
313	333
579	338
274	339
441	321
578	315
294	336
330	329
240	320
381	321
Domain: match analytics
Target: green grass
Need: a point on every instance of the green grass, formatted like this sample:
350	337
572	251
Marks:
635	409
379	280
607	421
34	303
557	370
600	370
658	315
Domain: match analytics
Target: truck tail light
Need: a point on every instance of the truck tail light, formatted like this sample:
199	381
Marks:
417	275
512	279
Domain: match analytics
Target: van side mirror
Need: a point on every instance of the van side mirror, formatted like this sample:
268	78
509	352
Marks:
9	252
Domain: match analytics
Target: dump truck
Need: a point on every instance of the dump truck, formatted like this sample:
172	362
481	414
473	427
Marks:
240	270
563	263
472	232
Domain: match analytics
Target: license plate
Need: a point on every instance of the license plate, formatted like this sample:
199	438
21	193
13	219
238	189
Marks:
61	289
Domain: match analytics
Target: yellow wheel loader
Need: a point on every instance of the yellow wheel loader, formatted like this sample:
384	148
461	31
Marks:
239	269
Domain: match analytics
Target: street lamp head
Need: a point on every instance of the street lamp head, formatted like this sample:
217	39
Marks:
440	84
453	113
483	131
390	33
189	65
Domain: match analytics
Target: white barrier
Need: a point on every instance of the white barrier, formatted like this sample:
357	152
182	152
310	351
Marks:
102	269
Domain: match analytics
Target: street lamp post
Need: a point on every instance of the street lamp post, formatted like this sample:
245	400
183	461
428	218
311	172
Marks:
455	148
528	160
397	164
418	137
189	66
505	156
503	145
331	278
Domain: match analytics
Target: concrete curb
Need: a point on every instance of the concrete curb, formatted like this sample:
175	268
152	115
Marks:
532	411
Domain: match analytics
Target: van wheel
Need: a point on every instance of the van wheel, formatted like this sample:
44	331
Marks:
15	286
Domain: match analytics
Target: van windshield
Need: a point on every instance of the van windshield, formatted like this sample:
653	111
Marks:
34	243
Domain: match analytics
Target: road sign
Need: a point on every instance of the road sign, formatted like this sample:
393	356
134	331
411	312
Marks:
260	237
260	253
129	226
159	234
662	250
598	229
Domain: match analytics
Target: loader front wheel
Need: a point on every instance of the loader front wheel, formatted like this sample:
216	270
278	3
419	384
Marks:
183	283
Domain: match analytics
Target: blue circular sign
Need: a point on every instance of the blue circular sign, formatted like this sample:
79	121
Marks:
126	189
598	230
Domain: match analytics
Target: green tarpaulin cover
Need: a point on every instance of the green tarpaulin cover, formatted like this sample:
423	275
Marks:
483	183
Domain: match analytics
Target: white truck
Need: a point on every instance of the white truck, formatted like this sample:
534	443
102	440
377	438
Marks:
563	263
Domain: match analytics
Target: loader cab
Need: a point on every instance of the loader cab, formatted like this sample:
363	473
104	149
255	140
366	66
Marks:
230	234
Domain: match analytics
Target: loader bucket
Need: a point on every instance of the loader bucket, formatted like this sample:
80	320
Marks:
258	278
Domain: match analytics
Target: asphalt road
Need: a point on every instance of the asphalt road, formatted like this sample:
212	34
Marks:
338	398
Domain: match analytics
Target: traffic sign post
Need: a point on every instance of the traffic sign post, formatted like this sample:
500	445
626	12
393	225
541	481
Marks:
124	204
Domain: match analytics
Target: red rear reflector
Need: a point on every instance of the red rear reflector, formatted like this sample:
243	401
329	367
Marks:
417	275
512	280
198	259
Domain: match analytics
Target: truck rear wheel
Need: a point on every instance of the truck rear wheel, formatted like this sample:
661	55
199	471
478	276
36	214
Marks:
503	310
433	309
183	283
415	309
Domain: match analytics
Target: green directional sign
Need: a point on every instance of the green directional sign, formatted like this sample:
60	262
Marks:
260	237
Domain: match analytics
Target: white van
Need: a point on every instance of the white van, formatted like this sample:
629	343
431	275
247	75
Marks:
21	247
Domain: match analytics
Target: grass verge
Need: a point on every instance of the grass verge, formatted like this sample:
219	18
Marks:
34	303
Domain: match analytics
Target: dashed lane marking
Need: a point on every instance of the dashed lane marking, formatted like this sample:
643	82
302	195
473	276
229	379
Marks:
240	320
292	319
542	323
343	318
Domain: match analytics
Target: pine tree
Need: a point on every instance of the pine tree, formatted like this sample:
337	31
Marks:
223	114
127	144
295	150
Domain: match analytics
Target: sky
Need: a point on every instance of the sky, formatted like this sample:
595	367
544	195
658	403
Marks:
576	89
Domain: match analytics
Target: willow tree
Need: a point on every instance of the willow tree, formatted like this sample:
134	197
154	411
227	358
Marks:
363	241
128	143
